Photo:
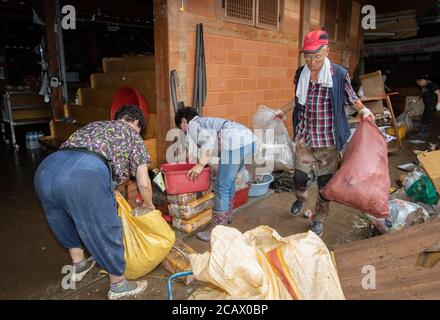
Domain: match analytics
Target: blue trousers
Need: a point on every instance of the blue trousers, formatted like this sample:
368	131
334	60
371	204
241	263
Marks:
231	162
75	193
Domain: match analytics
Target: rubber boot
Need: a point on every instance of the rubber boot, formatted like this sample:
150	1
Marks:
218	218
231	209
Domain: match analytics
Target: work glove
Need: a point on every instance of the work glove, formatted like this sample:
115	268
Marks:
366	113
437	107
279	114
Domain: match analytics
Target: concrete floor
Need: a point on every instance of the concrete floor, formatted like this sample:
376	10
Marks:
31	259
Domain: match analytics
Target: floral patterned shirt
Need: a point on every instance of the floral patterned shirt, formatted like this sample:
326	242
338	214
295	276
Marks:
117	142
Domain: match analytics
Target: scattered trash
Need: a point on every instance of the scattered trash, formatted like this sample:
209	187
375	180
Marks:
242	179
283	182
419	187
416	141
402	214
418	152
409	167
308	214
433	147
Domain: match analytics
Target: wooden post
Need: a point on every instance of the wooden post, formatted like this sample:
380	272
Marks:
304	22
166	38
53	57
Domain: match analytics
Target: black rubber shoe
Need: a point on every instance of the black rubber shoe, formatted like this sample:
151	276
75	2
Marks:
296	208
318	228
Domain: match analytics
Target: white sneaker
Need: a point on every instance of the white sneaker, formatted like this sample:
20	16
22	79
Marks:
78	275
141	286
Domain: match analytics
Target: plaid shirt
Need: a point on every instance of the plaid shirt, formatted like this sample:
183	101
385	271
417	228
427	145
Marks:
315	127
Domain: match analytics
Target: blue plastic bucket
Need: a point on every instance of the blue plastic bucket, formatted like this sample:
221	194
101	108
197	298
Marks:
259	189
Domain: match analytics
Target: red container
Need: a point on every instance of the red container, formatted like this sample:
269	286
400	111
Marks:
128	95
241	198
177	182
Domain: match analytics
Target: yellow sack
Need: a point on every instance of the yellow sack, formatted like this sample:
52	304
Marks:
147	239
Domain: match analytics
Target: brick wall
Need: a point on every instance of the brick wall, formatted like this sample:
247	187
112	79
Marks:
243	74
245	66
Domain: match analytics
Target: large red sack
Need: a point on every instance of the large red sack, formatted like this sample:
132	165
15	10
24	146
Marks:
363	181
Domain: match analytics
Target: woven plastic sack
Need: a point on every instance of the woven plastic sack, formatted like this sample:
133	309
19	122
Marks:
363	181
147	240
261	265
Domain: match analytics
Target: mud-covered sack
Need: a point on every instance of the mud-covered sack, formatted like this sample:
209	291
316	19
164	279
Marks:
192	209
363	181
194	223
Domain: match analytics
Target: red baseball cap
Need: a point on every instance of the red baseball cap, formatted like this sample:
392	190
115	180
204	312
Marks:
315	41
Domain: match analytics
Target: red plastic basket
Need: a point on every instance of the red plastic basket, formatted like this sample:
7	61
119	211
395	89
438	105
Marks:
241	198
177	182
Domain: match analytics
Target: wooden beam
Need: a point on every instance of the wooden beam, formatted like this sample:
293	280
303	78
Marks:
165	13
53	57
234	30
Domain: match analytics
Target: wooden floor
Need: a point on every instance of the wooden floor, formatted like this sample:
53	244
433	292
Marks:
394	257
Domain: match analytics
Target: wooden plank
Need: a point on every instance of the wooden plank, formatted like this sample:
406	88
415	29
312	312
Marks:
373	84
393	257
240	31
63	131
166	41
139	80
27	100
431	164
380	97
31	113
151	145
128	64
103	98
87	114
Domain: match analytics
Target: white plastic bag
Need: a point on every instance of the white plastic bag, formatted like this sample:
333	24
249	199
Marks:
400	210
242	179
281	149
405	119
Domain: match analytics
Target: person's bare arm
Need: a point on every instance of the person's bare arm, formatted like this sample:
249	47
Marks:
288	107
285	110
194	173
145	187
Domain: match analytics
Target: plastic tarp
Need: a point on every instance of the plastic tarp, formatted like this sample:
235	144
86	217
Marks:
262	265
363	181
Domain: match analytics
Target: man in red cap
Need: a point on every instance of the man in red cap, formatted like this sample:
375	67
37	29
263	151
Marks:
321	128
